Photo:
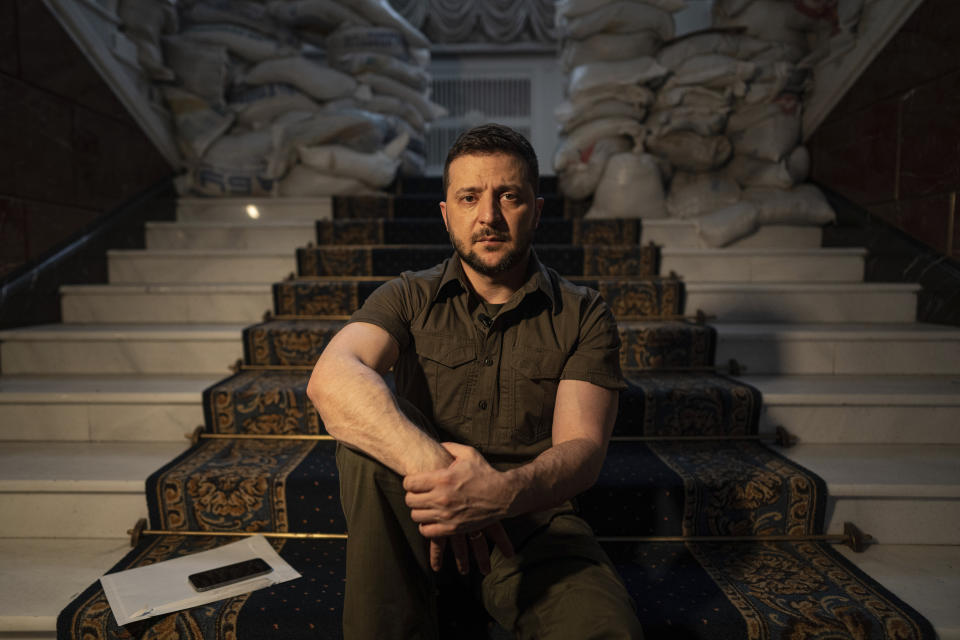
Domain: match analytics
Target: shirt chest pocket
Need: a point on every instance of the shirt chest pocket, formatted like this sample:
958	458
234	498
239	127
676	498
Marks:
536	375
449	370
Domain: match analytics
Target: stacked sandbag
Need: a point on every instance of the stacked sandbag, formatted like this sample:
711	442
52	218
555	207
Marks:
295	97
607	48
718	115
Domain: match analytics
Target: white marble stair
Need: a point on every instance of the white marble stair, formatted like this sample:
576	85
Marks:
258	235
175	303
676	233
120	349
764	265
862	409
77	489
113	408
898	493
803	302
246	266
239	210
840	348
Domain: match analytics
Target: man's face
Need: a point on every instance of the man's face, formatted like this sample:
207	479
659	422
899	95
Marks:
491	211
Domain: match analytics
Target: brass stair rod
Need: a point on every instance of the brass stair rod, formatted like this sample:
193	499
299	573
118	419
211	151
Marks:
781	436
851	536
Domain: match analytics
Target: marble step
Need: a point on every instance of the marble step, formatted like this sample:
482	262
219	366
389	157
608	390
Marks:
101	408
263	209
120	349
229	235
199	265
927	577
153	303
841	348
683	234
899	494
45	573
862	409
797	303
764	265
40	576
76	489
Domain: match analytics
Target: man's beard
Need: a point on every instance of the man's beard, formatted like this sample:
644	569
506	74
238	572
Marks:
507	262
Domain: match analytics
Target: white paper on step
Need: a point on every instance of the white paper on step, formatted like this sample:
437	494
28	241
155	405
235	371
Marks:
144	592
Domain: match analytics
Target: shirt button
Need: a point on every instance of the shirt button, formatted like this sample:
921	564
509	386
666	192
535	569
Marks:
483	404
488	362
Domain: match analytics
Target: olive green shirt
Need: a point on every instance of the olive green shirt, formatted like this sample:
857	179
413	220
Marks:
492	382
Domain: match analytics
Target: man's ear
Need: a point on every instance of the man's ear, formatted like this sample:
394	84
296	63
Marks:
538	203
443	213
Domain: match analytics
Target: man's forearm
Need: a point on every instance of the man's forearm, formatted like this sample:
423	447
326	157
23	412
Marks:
556	475
357	409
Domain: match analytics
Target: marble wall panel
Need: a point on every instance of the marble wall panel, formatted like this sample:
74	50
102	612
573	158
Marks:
49	59
856	155
9	54
13	249
925	48
48	224
930	153
927	220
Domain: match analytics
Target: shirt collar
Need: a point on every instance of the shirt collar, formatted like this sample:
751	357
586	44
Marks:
538	278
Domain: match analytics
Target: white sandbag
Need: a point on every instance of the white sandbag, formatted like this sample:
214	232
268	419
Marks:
694	194
578	181
713	71
694	97
731	7
198	124
380	12
580	141
202	69
246	13
637	95
265	152
376	169
773	20
571	117
727	44
574	8
720	228
321	16
388	86
608	47
388	42
772	80
750	171
804	204
144	22
360	130
588	78
631	187
388	66
392	106
690	151
618	17
263	104
245	43
318	81
304	182
704	122
207	180
798	164
769	131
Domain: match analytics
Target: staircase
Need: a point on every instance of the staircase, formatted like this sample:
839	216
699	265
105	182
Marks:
89	408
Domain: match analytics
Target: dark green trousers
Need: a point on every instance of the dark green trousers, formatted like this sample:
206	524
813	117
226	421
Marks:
560	583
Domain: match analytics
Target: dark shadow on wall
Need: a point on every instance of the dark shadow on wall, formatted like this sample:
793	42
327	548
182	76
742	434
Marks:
30	294
895	256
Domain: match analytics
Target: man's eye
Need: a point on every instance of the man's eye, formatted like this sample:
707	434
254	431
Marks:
510	196
469	198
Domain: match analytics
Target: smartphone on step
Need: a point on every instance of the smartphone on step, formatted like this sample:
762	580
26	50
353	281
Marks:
229	574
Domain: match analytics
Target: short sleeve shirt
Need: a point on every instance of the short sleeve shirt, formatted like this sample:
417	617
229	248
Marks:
492	382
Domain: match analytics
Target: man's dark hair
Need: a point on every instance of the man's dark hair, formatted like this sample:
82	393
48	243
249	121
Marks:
488	139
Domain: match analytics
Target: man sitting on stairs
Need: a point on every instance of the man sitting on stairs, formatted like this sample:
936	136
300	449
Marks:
507	379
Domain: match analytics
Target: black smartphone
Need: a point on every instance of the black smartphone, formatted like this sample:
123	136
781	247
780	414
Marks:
228	574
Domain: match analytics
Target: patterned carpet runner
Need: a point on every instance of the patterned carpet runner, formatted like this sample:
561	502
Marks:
662	487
